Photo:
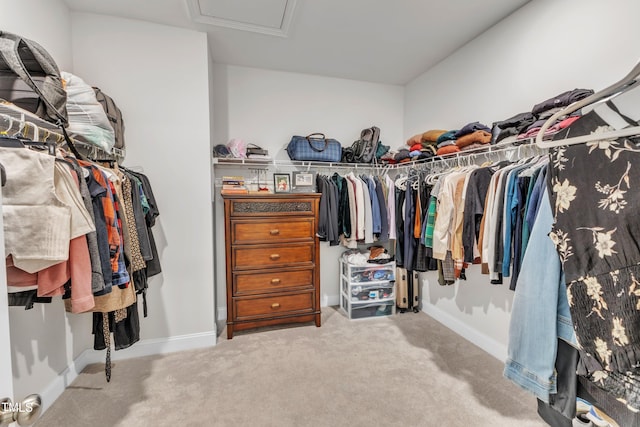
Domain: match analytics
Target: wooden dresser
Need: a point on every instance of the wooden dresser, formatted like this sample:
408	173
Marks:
272	260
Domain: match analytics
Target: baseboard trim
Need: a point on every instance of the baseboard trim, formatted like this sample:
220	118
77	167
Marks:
63	380
488	344
148	347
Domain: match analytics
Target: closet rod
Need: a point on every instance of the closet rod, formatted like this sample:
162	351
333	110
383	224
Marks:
93	152
295	164
16	121
13	127
508	144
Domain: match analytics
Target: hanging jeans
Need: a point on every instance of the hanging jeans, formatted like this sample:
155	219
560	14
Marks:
540	313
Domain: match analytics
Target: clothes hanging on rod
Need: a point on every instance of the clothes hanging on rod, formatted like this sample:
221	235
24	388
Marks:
413	214
81	231
503	233
586	231
353	209
476	214
121	223
329	219
409	202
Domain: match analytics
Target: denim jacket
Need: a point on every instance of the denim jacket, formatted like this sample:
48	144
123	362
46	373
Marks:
540	313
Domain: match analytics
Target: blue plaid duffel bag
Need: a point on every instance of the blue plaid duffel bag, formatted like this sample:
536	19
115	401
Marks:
314	148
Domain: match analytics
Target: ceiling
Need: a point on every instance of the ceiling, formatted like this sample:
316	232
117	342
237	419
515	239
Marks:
380	41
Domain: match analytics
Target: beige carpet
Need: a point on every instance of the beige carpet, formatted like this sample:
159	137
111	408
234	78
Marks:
405	370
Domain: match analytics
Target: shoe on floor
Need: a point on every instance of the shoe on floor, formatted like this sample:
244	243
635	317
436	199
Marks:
581	421
587	412
582	406
596	419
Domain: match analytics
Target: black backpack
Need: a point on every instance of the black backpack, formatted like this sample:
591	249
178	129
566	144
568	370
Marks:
30	79
113	114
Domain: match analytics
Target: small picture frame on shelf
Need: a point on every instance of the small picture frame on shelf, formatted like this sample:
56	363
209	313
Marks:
304	182
281	183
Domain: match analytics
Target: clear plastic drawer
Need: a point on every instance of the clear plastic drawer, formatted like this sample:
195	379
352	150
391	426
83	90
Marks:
361	293
372	309
369	273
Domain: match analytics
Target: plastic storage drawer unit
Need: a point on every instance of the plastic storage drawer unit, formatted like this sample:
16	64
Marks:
367	290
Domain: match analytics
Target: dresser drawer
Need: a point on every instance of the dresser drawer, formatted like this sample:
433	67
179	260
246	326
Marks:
273	306
255	283
247	231
253	257
298	205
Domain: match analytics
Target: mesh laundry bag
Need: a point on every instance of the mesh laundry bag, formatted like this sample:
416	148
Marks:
87	119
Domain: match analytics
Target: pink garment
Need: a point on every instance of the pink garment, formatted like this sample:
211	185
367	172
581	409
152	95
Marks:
532	133
51	280
563	124
80	270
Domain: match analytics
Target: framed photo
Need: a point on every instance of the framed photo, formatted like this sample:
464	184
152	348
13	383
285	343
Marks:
304	182
281	183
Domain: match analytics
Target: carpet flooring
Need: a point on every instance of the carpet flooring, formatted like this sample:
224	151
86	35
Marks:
406	370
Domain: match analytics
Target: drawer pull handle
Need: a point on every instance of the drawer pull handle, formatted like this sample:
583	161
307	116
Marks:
275	281
275	305
274	257
274	232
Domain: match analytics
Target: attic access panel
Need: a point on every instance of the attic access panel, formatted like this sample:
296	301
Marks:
270	17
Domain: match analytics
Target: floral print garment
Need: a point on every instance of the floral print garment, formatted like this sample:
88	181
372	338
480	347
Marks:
595	195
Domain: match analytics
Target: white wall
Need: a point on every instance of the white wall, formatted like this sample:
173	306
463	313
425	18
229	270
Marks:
543	49
45	22
268	107
44	340
158	76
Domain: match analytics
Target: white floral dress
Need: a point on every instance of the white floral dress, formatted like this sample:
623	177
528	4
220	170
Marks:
595	195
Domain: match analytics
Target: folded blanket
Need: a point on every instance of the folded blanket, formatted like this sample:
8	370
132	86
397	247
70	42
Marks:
520	120
447	142
401	154
449	149
470	128
432	135
415	139
561	100
538	124
511	126
479	136
414	147
447	136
